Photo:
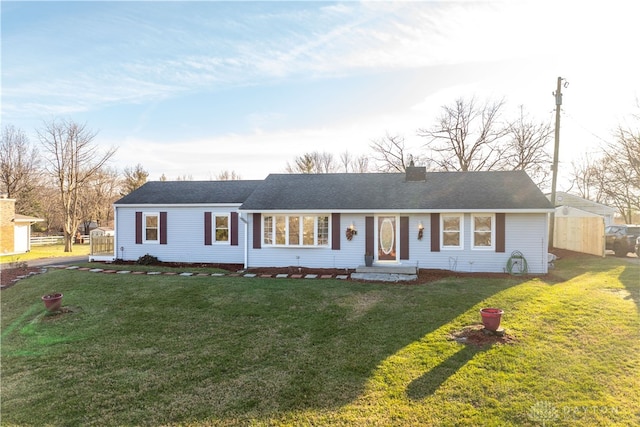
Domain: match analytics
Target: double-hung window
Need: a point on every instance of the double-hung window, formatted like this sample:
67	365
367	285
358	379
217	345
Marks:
151	223
295	230
221	228
452	231
483	226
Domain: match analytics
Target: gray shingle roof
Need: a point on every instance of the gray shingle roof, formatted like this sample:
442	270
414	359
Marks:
512	190
190	192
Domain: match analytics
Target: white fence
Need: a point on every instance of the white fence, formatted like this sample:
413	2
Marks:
52	240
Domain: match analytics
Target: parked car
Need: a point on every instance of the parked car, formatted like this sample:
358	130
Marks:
638	246
622	239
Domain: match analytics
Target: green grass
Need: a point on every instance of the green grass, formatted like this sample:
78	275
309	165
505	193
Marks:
195	351
45	251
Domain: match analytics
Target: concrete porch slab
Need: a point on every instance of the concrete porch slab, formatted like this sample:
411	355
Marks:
387	269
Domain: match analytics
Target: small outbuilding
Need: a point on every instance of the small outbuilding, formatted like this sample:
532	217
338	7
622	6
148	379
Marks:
15	229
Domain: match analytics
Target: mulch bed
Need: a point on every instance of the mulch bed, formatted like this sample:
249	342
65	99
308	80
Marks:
477	336
8	275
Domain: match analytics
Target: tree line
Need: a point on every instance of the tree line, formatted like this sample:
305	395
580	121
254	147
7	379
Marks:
470	135
67	180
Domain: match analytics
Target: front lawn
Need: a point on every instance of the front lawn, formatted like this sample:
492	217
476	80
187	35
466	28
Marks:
172	350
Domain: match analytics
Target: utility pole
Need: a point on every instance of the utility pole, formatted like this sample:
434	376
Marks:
556	149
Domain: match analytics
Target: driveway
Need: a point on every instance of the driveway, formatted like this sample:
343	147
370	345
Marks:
43	262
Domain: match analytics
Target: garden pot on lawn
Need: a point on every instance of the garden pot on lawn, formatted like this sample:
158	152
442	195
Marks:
52	302
491	318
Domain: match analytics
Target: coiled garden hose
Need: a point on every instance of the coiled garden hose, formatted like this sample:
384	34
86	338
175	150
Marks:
517	263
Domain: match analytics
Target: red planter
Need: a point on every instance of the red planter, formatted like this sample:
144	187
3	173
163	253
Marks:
52	302
491	318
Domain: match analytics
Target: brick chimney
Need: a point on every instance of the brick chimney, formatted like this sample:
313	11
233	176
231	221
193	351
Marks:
416	173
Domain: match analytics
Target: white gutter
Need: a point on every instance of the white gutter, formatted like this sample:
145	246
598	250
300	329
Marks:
406	211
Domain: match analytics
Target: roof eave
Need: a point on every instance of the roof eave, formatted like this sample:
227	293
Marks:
408	211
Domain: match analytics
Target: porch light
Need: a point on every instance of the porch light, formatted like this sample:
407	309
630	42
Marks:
420	230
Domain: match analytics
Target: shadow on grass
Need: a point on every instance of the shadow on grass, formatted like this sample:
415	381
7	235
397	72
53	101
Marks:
223	347
630	279
429	382
347	351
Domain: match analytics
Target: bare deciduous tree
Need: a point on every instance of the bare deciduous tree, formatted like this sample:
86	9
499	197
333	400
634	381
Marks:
391	154
360	164
466	136
622	171
346	160
97	198
19	168
72	159
352	164
585	178
614	177
525	147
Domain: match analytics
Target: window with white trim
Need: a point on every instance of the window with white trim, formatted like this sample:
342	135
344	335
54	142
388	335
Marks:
295	230
221	228
451	226
151	225
483	229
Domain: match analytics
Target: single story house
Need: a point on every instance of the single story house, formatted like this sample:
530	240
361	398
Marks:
464	221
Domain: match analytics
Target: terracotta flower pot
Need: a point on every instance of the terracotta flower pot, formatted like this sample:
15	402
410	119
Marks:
52	302
491	318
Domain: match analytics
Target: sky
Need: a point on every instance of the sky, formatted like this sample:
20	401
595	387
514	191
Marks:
195	88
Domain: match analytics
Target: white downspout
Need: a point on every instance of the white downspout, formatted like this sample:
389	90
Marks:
246	240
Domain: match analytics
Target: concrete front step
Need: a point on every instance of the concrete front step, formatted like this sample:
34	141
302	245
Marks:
387	269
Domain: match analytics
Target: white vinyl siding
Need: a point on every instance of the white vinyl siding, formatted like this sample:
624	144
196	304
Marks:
185	236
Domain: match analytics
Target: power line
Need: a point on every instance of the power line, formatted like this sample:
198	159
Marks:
584	127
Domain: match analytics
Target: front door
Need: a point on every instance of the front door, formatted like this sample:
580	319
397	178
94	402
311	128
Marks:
387	238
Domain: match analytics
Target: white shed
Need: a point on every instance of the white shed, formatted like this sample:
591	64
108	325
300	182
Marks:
102	231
